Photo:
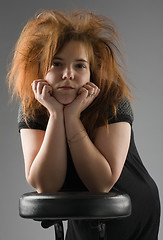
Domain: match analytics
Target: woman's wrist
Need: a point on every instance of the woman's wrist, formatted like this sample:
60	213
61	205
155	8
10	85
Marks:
79	136
70	116
56	114
74	128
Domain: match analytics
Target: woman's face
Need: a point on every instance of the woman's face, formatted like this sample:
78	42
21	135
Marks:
70	70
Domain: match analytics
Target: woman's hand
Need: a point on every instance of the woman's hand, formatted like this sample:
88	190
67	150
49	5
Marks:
85	97
44	94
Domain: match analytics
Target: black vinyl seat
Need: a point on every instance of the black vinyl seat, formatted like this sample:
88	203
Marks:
52	209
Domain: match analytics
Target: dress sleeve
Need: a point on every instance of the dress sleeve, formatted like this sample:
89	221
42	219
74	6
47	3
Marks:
124	113
37	122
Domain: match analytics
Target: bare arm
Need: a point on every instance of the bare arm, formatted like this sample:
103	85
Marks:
98	164
45	156
45	153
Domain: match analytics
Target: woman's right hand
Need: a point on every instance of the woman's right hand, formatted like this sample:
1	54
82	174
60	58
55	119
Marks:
44	94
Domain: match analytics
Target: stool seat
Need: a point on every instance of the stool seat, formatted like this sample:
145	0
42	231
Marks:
74	205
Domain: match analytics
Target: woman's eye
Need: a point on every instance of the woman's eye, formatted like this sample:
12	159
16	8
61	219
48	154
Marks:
57	64
80	65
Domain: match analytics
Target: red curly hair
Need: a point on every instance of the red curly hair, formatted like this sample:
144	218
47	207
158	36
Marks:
44	35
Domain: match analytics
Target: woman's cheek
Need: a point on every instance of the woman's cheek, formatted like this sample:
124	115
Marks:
51	77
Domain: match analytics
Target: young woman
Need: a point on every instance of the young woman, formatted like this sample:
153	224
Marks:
75	118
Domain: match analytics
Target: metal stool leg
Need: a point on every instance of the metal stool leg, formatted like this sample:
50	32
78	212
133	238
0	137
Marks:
102	231
99	227
59	231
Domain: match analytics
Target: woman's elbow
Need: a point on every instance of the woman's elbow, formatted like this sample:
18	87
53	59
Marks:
104	186
30	181
101	188
44	186
50	190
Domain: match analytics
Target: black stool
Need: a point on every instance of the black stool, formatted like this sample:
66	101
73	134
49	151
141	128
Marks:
52	209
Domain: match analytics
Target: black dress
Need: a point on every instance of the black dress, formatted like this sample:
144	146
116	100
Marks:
143	224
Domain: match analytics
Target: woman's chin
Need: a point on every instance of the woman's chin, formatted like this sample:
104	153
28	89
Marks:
65	100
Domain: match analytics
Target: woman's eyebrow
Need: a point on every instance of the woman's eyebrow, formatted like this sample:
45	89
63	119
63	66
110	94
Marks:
58	58
76	60
81	60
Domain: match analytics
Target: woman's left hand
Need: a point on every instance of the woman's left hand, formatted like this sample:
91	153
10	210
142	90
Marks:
85	97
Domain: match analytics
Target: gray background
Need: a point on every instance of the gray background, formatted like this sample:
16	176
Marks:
140	25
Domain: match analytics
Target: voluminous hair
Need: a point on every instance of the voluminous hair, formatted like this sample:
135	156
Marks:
44	36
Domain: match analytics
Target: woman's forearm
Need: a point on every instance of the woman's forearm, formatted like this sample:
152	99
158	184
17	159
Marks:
48	170
91	165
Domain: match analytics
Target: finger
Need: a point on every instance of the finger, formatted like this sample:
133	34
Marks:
93	89
40	86
97	91
35	82
40	80
83	93
34	85
90	89
46	91
91	84
82	89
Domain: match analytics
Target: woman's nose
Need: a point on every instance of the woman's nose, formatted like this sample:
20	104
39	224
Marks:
68	74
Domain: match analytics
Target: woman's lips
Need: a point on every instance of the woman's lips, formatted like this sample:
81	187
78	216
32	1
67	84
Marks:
66	88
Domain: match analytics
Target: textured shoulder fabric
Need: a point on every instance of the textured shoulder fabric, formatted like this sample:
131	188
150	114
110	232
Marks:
124	113
37	122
